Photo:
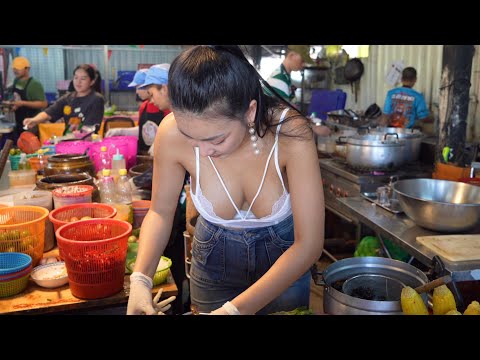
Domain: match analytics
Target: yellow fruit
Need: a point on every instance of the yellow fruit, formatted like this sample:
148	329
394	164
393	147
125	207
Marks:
443	300
472	309
412	303
453	312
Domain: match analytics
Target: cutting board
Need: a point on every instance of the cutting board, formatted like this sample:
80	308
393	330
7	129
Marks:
453	247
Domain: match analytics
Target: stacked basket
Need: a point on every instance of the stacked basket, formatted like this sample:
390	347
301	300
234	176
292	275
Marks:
15	269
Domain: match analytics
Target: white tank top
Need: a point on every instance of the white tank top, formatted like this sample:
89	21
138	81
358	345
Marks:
244	219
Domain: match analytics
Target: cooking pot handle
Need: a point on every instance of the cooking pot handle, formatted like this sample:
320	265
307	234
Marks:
316	276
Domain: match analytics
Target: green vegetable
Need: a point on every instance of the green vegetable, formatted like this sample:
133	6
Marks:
160	275
298	311
136	232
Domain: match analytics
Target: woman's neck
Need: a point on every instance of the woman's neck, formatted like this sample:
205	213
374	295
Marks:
83	93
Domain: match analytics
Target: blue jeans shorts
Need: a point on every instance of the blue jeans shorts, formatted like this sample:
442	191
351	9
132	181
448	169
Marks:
225	262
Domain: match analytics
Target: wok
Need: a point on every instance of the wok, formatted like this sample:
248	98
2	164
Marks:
440	205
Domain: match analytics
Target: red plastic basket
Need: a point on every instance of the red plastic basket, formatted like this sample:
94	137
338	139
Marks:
94	252
62	215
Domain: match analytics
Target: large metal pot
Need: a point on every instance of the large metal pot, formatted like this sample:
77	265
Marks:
413	140
335	302
440	205
375	151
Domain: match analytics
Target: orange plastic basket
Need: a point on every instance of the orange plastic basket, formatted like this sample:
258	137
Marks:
64	214
94	252
22	229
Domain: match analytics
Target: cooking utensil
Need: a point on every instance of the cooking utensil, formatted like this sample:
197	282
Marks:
353	72
440	205
376	152
373	287
444	280
335	302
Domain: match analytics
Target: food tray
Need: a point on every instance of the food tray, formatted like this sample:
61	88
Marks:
396	209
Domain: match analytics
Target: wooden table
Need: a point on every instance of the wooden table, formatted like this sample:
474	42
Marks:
38	300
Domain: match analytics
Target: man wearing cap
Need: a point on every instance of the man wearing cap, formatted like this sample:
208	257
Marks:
28	95
295	59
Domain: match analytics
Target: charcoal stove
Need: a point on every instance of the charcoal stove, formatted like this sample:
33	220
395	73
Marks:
341	180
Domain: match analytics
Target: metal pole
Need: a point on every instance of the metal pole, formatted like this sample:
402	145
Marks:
106	75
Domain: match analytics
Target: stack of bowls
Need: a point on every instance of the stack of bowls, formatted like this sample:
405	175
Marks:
140	209
15	269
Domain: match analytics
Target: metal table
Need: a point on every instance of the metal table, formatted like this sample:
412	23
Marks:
403	231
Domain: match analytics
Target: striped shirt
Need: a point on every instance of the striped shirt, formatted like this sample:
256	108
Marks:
281	81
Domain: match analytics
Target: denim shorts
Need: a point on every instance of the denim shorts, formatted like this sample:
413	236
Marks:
225	262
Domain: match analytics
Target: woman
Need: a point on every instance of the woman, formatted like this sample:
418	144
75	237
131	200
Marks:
255	180
84	106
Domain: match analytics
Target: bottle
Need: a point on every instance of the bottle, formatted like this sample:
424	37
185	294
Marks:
123	191
107	187
41	164
118	163
23	164
105	161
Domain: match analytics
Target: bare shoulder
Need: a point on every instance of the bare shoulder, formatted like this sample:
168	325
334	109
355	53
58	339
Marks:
296	133
169	140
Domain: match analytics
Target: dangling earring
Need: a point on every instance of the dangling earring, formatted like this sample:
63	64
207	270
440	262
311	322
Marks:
253	137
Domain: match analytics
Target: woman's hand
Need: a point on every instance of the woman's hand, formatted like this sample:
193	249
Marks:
29	122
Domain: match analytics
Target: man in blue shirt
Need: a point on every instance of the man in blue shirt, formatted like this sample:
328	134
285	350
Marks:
403	105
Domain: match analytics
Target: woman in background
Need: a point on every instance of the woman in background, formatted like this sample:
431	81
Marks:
82	107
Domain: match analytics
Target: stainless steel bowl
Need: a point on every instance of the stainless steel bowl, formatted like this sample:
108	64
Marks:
440	205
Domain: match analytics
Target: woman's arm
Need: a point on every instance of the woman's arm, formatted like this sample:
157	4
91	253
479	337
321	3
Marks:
37	119
167	183
306	191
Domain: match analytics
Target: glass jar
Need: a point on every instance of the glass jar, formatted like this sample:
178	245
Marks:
69	164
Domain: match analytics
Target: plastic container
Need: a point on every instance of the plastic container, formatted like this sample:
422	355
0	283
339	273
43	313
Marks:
140	210
106	186
22	230
123	190
95	253
72	147
72	195
105	159
118	163
43	199
22	177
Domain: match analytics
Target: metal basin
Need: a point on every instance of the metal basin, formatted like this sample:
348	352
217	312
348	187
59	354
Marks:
440	205
336	302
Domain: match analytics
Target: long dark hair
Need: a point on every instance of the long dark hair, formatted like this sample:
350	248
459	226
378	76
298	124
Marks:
220	76
93	74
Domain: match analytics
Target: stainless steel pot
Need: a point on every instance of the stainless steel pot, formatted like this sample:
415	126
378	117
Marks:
335	302
413	140
376	151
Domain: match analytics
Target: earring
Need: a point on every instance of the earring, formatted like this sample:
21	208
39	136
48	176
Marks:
253	137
